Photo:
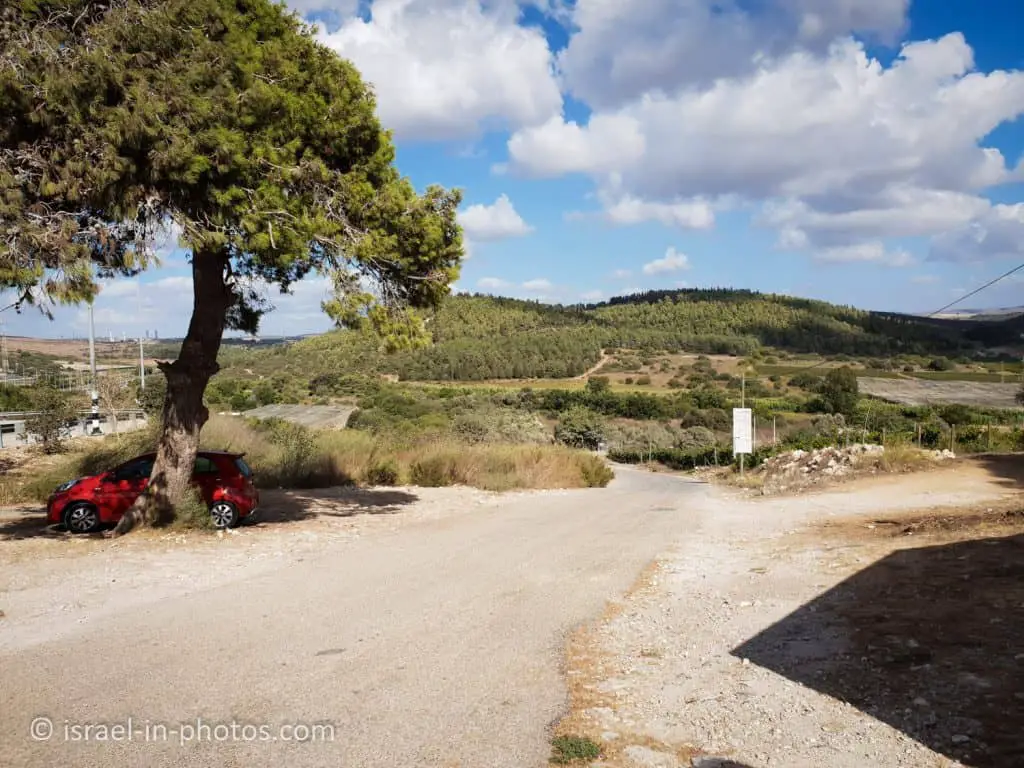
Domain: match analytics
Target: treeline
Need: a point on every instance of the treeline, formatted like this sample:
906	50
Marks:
480	337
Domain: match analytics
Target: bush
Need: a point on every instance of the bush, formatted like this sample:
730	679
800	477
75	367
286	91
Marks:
839	391
56	413
192	512
805	380
643	381
695	438
940	364
434	472
383	474
579	428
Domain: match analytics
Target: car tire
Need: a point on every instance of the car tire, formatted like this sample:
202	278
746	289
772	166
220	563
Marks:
81	517
224	514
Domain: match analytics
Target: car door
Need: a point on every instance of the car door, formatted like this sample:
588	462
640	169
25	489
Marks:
123	485
206	477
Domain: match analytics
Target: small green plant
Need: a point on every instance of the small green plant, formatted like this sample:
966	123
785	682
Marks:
566	750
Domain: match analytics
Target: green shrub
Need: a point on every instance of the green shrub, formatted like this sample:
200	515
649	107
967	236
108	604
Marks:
595	473
579	428
643	381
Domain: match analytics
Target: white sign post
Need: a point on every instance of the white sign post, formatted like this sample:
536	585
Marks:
742	433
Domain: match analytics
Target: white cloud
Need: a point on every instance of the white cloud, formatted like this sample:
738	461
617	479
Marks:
592	296
664	46
493	222
997	233
444	69
606	143
540	285
622	274
842	150
672	261
492	284
165	305
692	214
874	253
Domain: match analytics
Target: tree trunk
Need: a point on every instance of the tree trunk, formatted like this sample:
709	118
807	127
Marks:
184	413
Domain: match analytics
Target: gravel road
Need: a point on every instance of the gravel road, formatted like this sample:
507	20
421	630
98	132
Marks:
433	642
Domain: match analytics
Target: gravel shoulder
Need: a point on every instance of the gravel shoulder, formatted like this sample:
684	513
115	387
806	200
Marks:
804	632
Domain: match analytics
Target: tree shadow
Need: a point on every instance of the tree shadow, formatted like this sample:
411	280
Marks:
31	523
927	640
279	506
717	762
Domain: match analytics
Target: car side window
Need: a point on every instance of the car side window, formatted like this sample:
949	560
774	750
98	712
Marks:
136	470
205	466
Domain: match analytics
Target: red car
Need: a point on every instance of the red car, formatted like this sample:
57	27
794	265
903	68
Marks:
224	480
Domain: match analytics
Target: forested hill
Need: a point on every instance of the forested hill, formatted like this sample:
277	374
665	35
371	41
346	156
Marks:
483	337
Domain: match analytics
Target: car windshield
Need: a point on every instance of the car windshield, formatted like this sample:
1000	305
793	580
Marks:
243	467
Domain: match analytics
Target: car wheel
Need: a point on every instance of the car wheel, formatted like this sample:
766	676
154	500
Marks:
80	517
224	514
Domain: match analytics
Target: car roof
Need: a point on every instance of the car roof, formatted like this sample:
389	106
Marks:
229	454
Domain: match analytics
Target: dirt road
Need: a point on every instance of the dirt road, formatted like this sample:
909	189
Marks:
438	641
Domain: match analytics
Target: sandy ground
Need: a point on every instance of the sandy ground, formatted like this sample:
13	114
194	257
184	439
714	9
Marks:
430	627
877	624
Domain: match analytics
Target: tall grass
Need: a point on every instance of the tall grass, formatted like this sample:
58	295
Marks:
285	455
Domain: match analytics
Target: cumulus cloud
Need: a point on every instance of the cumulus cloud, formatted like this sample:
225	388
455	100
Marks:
672	261
498	221
840	149
443	69
664	46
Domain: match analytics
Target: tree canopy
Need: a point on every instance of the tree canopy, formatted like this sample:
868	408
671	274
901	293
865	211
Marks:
229	123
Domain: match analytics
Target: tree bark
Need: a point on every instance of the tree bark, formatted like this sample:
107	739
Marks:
184	413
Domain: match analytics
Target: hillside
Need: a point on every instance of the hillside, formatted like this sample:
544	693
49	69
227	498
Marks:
481	337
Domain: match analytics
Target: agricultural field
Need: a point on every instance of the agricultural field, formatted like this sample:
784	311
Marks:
913	391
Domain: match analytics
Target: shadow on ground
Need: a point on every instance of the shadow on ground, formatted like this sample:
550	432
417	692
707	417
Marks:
294	506
278	507
929	640
1007	469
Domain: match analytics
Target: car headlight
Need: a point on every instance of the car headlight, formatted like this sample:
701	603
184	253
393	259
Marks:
66	486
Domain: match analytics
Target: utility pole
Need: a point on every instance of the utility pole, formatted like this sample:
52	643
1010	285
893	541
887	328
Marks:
94	420
4	364
142	354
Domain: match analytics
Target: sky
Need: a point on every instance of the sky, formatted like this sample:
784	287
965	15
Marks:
865	152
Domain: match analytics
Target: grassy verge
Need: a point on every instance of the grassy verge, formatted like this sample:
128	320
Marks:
289	456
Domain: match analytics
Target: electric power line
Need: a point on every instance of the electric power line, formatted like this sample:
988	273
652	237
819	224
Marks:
977	290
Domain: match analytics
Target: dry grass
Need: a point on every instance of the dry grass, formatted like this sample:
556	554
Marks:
903	457
288	456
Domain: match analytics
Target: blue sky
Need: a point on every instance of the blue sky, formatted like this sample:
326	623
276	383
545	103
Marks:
867	152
